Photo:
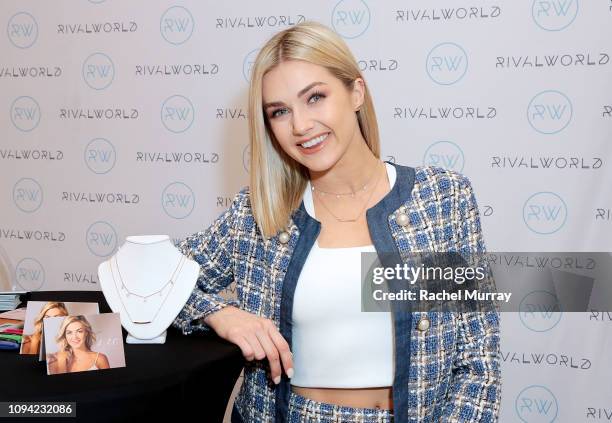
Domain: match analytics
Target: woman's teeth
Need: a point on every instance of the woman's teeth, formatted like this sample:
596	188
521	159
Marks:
314	141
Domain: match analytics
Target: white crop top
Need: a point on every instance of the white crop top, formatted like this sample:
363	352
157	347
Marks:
334	343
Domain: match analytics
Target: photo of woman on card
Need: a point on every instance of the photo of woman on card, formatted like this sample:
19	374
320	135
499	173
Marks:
31	342
74	340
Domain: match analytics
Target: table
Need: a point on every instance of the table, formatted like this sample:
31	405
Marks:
192	374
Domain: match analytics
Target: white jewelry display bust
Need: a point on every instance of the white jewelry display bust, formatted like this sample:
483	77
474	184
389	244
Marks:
147	281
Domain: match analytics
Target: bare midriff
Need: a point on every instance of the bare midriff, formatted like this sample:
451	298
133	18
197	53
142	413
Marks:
381	398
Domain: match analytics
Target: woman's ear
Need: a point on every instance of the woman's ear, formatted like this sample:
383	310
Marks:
358	93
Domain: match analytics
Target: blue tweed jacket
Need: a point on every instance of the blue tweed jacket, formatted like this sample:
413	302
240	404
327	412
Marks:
448	371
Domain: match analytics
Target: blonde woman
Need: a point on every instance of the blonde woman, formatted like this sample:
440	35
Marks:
74	339
319	196
31	343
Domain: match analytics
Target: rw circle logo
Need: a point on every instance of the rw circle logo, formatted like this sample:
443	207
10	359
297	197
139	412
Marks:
177	113
247	64
544	213
29	274
549	112
178	200
98	71
100	155
27	195
444	154
554	15
176	25
536	404
25	113
540	311
101	239
22	30
351	18
446	63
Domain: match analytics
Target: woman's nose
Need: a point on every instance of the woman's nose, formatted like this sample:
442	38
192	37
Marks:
302	122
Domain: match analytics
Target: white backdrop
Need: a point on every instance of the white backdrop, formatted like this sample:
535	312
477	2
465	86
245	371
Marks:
129	117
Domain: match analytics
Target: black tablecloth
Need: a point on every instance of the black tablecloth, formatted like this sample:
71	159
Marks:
191	374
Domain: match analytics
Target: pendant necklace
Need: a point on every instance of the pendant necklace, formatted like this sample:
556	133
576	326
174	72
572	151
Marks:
144	298
343	220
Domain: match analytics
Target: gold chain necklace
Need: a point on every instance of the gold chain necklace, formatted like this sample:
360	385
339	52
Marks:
362	209
342	194
144	297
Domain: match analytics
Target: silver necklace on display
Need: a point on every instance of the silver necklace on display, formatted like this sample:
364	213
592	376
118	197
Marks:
144	297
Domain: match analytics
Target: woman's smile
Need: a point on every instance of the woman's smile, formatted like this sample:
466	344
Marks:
75	341
314	145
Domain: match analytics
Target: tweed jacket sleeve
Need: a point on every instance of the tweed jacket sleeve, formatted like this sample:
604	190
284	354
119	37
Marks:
212	249
475	387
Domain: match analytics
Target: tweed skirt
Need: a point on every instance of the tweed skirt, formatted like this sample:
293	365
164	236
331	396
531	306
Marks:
305	410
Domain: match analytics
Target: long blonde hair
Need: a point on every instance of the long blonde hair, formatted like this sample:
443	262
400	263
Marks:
277	181
38	321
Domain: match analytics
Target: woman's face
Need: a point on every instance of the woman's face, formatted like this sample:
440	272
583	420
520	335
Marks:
54	312
305	103
75	334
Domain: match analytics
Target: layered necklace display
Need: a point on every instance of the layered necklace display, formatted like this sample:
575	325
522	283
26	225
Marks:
145	298
351	194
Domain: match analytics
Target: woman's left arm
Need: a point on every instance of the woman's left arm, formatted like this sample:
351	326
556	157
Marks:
474	393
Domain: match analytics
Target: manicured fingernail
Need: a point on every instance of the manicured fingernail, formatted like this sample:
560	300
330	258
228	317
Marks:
290	373
277	380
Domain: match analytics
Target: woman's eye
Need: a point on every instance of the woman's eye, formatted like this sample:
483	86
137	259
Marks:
316	96
276	112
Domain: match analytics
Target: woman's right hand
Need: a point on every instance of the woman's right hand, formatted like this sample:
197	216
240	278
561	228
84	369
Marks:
256	336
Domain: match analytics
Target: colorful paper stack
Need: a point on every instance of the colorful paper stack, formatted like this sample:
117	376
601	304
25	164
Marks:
10	336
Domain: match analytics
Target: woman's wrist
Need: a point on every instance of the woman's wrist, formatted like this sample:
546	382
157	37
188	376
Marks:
213	317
